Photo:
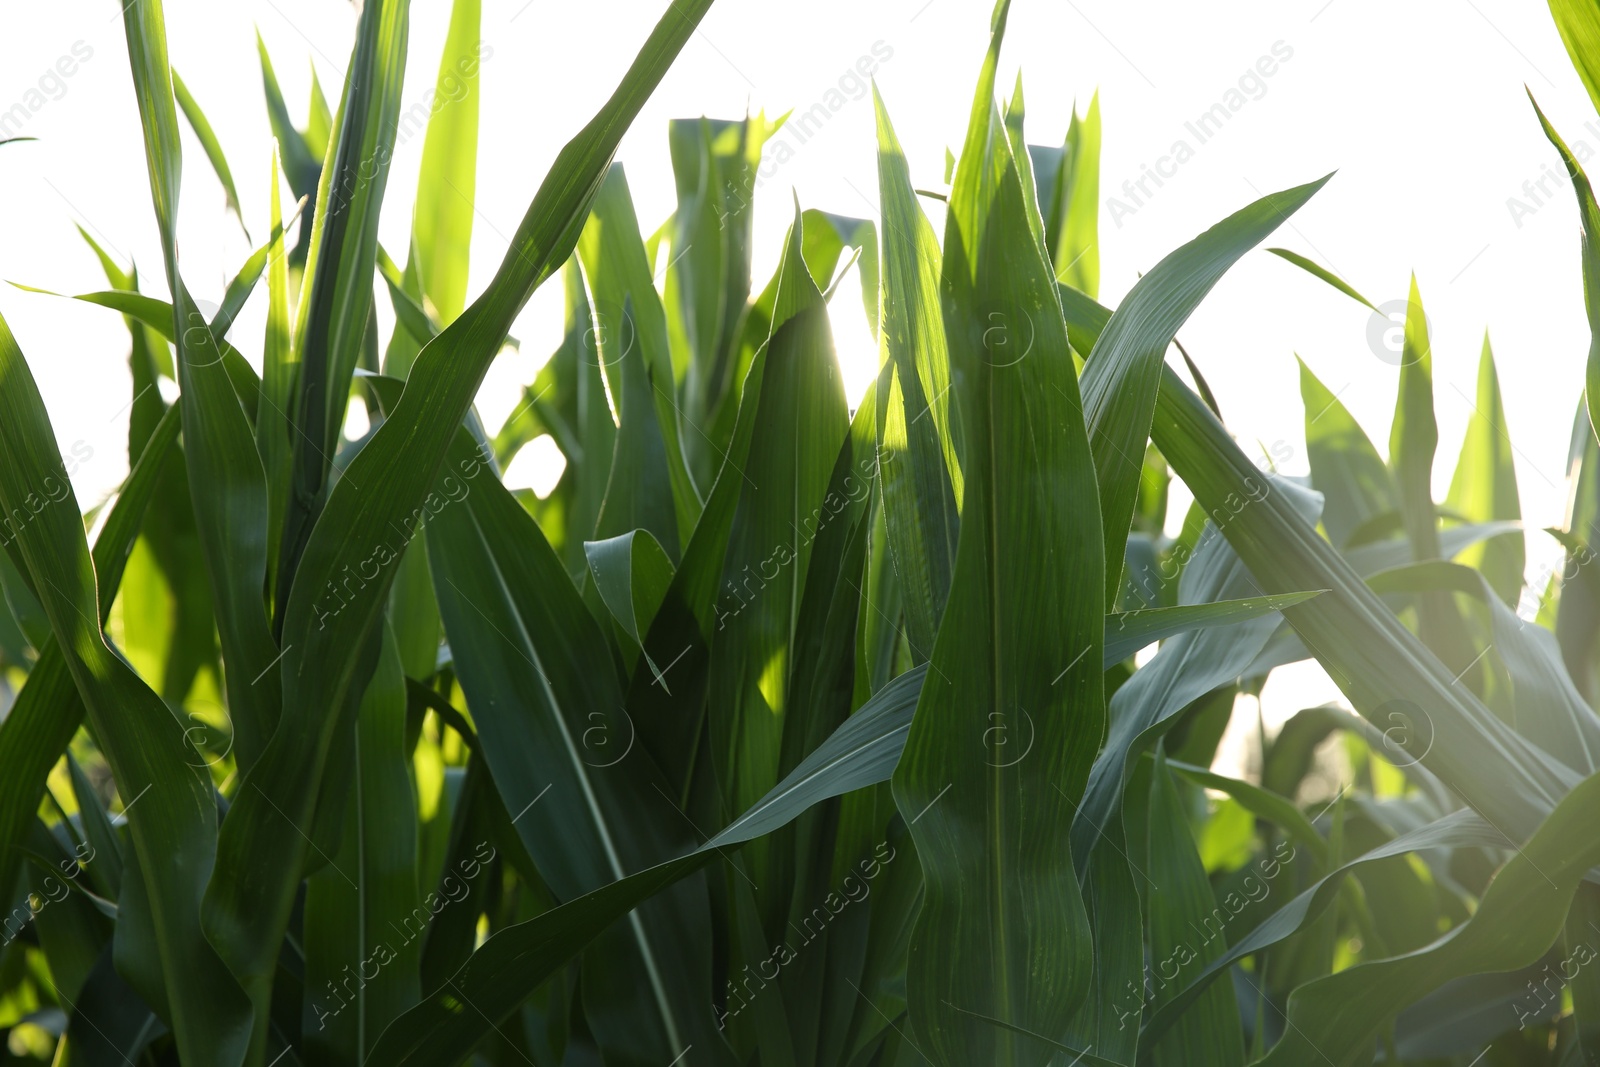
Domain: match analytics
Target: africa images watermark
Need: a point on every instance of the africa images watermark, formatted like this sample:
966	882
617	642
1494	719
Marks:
338	594
51	85
802	125
785	554
1252	85
414	925
455	85
1159	974
1547	999
1549	184
55	490
855	889
1150	579
34	903
853	84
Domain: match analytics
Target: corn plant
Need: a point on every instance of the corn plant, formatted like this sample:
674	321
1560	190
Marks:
778	731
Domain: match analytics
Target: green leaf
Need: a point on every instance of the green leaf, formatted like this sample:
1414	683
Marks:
632	575
104	862
1376	661
48	708
1414	435
69	929
1317	270
1183	671
708	275
301	163
631	331
980	169
1016	116
1579	26
1413	441
829	241
671	714
1076	248
1484	487
277	387
1460	829
109	1024
1544	705
1129	631
1260	802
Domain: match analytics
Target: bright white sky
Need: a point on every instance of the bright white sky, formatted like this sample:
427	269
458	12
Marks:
1420	107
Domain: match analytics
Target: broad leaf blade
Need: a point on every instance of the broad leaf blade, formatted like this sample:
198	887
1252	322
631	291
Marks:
1012	711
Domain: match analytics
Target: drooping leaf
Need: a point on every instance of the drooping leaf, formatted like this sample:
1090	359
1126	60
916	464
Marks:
1520	916
1391	675
632	575
1459	829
